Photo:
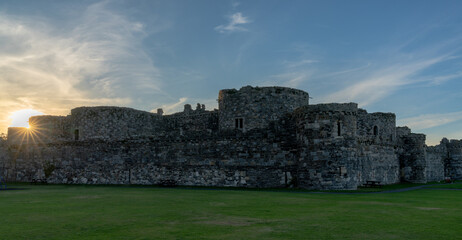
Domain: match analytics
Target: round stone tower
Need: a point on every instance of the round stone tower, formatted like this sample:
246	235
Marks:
255	107
327	136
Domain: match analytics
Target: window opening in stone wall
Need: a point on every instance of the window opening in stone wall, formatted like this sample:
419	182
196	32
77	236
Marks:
376	130
339	129
76	134
239	123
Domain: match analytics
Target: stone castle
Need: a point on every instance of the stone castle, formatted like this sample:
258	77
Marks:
267	137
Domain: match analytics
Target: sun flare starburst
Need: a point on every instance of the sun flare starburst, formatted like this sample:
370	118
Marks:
21	132
21	118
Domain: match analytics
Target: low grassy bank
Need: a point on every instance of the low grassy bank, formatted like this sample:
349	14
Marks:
456	185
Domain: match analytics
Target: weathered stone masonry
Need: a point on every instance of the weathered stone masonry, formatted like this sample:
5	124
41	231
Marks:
259	137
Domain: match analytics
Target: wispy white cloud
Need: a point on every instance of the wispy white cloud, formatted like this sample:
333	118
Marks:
295	64
96	59
380	82
430	120
345	71
236	22
295	73
173	107
289	79
367	78
442	79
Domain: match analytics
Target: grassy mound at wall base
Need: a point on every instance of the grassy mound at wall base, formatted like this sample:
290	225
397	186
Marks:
115	212
457	185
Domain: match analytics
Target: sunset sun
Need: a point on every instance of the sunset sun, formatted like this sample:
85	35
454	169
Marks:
21	118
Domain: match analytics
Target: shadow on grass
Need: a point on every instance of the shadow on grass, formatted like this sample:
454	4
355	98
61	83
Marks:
9	189
399	187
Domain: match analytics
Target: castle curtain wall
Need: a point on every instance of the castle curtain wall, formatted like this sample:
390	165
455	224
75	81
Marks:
259	137
239	161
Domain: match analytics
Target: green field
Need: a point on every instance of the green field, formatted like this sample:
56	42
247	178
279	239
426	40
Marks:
117	212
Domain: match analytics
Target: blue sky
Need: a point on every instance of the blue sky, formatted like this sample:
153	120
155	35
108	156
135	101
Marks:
389	56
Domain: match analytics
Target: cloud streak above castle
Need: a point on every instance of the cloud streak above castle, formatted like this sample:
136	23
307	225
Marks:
386	56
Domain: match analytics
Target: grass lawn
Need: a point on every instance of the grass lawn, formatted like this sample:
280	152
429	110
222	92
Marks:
115	212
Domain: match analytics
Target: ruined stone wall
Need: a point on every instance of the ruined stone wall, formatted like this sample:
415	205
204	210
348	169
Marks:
233	159
46	128
18	135
190	120
412	157
378	163
4	157
258	106
117	123
328	154
377	128
453	164
402	131
435	157
376	135
113	123
421	163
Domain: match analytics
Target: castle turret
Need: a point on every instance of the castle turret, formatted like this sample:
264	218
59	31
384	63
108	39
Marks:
327	136
255	107
412	157
453	163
